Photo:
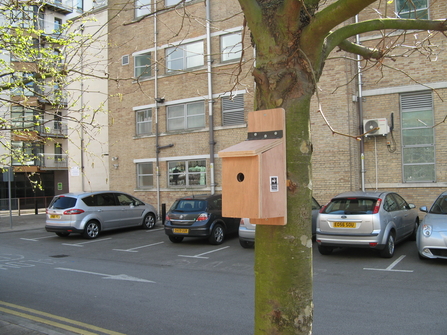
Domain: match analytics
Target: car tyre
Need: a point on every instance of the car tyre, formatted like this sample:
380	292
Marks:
325	250
149	221
388	251
246	244
62	234
91	230
176	239
217	235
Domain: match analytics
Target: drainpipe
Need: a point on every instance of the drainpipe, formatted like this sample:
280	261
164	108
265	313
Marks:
210	95
157	150
82	116
360	110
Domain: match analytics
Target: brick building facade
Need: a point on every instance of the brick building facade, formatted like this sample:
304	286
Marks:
181	89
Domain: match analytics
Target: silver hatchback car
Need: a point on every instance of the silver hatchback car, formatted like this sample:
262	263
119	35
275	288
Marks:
375	220
89	213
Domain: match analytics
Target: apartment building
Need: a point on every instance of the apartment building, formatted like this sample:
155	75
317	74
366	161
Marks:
50	116
181	89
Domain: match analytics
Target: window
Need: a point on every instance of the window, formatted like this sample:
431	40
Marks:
23	118
80	6
231	46
144	122
142	66
186	116
233	110
412	9
142	7
25	153
418	150
26	84
187	173
125	60
184	56
174	2
145	176
57	25
58	152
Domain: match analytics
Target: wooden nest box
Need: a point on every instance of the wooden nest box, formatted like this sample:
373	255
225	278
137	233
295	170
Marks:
254	171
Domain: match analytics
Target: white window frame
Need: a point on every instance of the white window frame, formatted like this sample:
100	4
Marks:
417	118
181	173
143	7
229	50
142	176
412	12
185	56
169	3
185	116
142	71
145	122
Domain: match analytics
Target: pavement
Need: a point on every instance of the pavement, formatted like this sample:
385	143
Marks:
13	322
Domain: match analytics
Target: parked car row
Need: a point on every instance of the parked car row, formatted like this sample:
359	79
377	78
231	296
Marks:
377	220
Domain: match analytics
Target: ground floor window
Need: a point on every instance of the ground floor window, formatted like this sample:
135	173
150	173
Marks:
187	173
418	145
145	175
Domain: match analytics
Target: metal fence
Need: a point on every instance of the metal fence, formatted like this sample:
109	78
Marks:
36	205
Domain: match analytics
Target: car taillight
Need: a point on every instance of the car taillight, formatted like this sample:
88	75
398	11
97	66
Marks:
202	217
73	211
323	208
377	206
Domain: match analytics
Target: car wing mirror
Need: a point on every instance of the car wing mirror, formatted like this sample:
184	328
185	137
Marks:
423	209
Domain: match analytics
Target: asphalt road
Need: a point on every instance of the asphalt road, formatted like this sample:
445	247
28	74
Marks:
137	282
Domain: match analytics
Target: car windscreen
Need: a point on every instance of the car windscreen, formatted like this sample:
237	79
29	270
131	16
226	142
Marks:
190	205
62	203
350	206
440	205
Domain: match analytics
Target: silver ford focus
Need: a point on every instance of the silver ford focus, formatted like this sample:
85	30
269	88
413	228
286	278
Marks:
376	220
89	213
431	238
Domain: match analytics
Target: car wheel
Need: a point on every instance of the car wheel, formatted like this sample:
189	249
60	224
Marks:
217	235
61	234
246	244
91	230
325	250
149	221
388	251
176	239
415	231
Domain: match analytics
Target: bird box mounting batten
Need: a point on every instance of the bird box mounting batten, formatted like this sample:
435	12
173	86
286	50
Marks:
254	171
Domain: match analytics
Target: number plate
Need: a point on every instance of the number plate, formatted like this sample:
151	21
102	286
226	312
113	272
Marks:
180	231
345	225
55	216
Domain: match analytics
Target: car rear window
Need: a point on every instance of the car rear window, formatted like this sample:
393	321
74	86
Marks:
350	206
190	205
62	203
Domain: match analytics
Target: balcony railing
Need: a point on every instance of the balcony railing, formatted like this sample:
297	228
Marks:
62	6
53	161
54	128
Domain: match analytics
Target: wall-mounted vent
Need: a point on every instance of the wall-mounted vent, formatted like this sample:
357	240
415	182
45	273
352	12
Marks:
125	60
376	127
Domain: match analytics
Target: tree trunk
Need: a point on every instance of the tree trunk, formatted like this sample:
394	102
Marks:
283	254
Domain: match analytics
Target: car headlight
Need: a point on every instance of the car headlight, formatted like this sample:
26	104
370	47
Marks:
426	230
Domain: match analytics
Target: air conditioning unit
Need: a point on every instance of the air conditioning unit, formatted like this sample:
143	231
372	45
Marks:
376	127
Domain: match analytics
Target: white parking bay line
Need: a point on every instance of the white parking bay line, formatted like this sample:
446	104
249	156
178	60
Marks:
392	265
200	255
81	244
152	230
35	239
134	249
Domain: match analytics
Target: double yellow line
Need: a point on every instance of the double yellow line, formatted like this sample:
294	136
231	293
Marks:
61	322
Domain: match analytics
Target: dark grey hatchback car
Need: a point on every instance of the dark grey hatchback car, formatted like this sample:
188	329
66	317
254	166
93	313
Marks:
199	216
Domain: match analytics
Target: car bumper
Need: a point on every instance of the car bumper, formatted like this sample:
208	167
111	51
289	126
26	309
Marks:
191	231
246	234
62	229
358	241
433	246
